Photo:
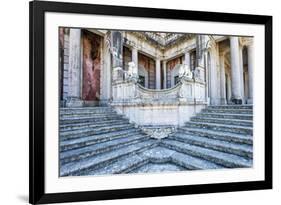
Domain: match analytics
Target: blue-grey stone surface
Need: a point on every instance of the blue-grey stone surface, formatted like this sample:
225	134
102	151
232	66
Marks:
98	141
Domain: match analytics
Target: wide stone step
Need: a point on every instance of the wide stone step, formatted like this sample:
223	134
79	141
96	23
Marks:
226	136
165	155
86	112
229	111
224	159
230	106
97	131
77	168
85	141
219	145
239	122
100	115
75	120
122	165
85	109
91	125
79	114
227	115
91	150
221	127
193	163
151	167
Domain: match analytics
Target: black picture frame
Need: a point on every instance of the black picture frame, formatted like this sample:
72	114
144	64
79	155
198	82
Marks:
37	10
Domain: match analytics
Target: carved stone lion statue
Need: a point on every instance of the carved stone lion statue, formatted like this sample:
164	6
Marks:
184	71
132	73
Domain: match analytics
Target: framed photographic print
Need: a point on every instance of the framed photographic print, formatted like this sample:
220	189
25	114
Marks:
140	102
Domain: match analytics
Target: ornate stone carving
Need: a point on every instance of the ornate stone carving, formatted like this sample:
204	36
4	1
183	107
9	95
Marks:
158	132
184	71
145	93
117	74
132	73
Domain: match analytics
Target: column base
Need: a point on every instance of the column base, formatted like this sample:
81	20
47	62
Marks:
223	101
73	102
104	102
250	101
237	101
215	101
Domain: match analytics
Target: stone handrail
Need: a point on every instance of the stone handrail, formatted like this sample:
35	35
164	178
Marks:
172	92
126	89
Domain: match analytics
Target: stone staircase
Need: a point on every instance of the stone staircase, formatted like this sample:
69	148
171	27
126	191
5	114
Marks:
96	140
95	137
219	134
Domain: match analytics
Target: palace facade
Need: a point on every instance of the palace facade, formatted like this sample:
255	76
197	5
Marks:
154	78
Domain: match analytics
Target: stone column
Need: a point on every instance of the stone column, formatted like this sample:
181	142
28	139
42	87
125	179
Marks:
228	85
200	43
106	72
74	97
165	74
158	74
199	72
117	55
222	81
250	72
241	74
187	58
235	71
135	56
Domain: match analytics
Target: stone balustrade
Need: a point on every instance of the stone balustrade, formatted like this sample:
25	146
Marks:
173	106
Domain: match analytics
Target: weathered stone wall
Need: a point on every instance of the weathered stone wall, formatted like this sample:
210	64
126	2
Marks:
91	66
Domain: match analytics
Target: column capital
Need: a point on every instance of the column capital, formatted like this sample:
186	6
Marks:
247	41
187	50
